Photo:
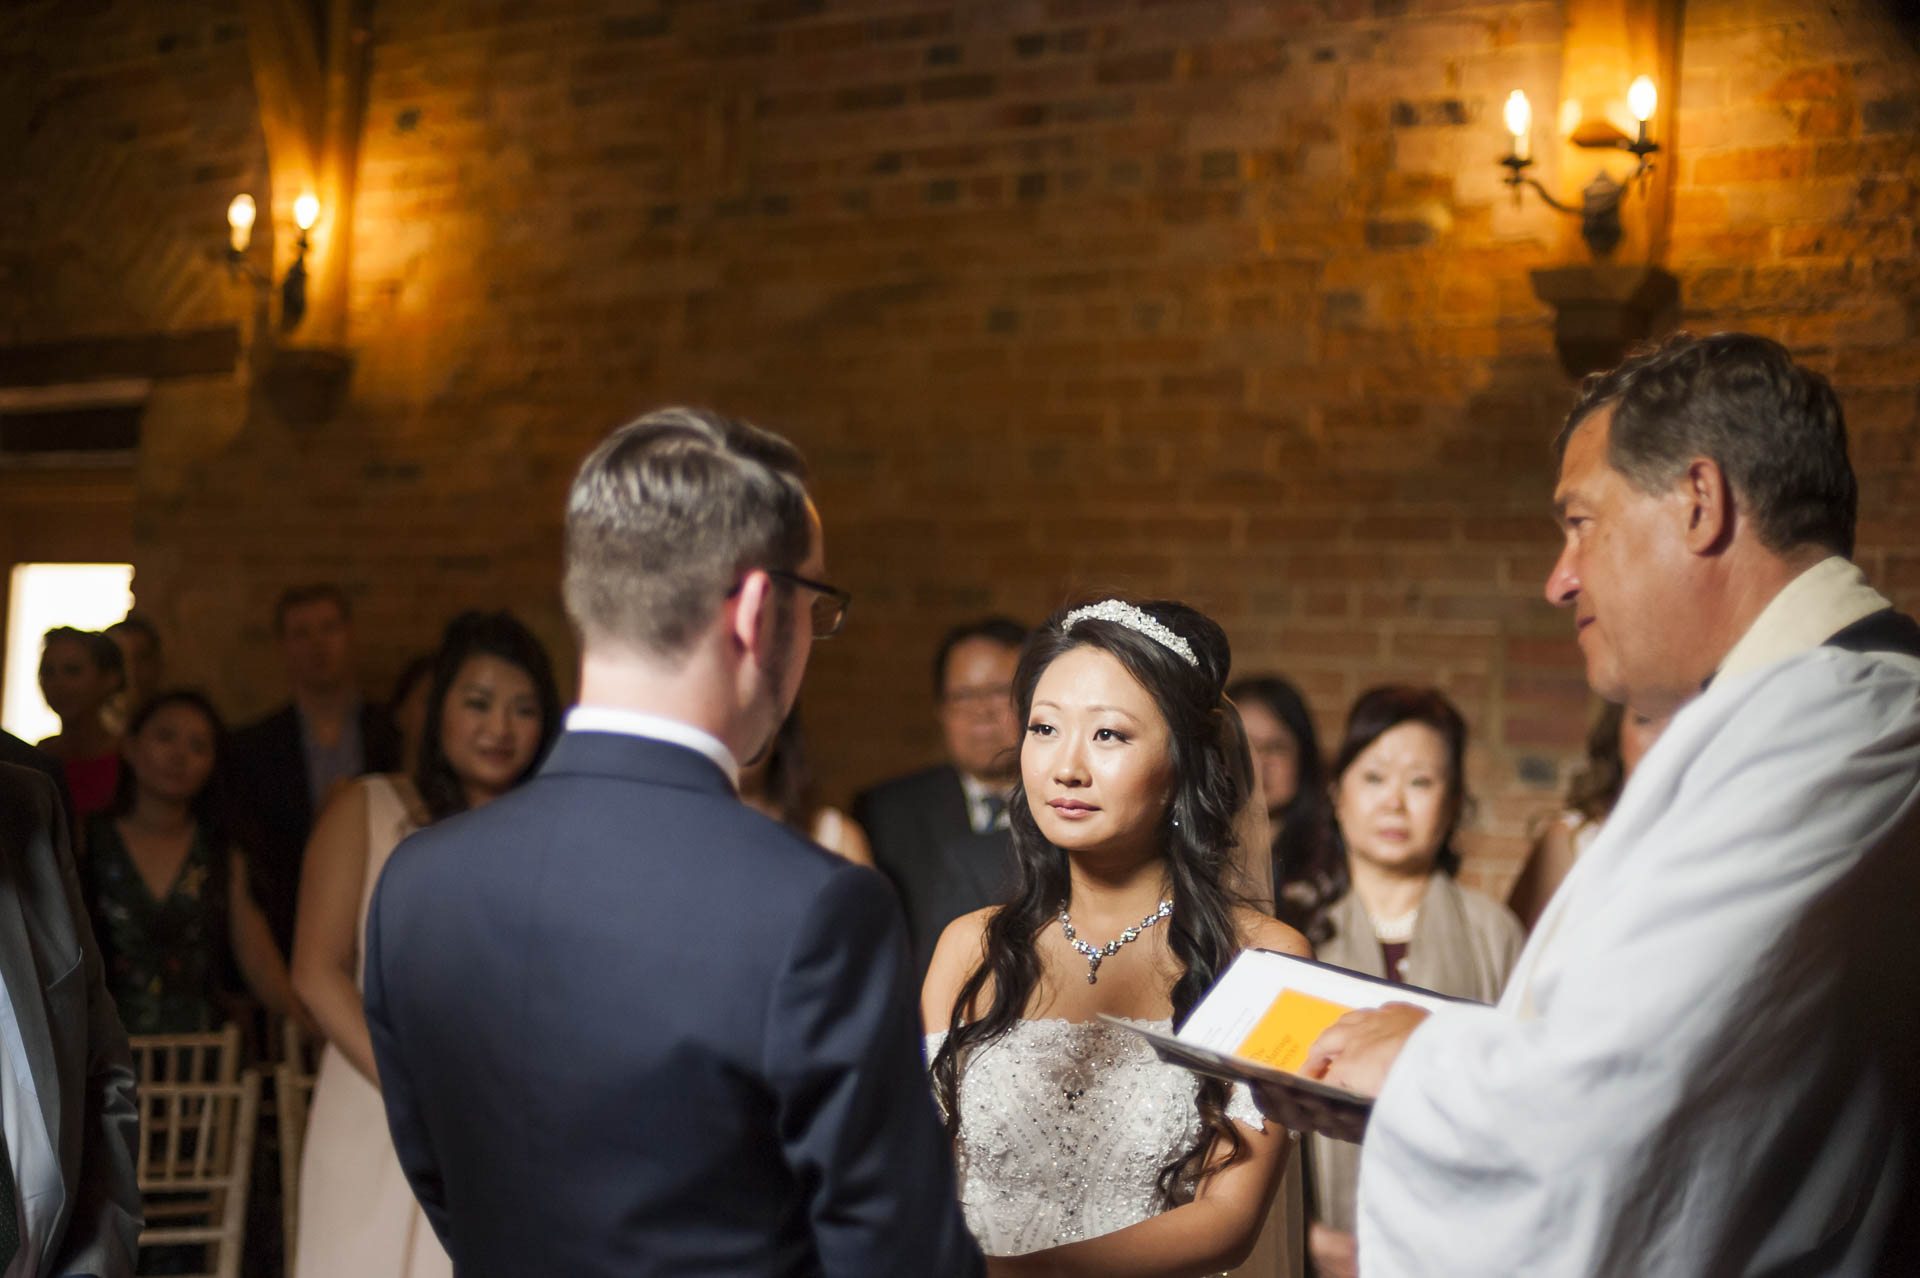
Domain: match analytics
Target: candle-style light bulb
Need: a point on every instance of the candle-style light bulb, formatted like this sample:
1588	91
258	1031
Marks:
240	215
1642	98
1520	123
306	211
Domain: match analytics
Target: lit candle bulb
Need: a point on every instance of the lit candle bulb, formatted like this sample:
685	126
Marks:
240	216
1520	123
306	211
1642	97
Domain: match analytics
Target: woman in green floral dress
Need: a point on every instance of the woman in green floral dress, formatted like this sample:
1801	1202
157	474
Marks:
165	885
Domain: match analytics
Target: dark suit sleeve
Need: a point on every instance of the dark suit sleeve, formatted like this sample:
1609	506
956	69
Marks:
103	1229
397	1086
873	814
856	1118
379	742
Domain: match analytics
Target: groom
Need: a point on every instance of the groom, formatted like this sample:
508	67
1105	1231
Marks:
625	1024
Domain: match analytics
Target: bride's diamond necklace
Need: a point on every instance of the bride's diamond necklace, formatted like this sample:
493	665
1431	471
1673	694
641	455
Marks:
1096	954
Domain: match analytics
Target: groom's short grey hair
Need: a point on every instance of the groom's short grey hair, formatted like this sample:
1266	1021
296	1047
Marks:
664	517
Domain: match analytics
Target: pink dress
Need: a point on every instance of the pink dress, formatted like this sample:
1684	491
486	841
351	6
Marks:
358	1217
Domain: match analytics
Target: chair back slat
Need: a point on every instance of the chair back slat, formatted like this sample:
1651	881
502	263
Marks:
210	1057
194	1164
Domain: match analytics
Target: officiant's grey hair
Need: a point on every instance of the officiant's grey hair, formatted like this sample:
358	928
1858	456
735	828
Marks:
1773	426
667	514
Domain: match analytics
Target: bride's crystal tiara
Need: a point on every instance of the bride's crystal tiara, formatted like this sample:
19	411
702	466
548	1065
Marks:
1138	620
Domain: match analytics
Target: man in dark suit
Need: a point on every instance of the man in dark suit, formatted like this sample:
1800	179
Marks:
68	1204
626	1025
941	834
286	765
17	752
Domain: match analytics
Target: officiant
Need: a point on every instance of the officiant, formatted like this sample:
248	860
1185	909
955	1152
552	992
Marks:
1703	1061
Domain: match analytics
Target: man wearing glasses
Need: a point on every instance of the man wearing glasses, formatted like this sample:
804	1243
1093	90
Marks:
941	834
625	1023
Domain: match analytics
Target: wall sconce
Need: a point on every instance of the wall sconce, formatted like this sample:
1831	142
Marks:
1599	211
293	290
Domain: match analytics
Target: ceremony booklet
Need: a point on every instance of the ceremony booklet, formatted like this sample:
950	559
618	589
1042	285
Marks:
1258	1021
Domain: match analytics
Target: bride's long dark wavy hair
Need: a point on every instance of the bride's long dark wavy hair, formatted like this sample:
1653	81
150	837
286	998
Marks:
1198	839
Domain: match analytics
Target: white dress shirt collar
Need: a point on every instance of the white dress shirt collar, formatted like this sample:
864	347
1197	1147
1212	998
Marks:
653	727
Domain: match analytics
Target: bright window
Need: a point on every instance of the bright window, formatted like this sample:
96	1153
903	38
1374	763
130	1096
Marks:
87	596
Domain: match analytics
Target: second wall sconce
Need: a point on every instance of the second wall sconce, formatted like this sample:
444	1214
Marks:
293	290
1599	211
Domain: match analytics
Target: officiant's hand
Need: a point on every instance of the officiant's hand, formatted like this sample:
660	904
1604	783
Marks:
1357	1050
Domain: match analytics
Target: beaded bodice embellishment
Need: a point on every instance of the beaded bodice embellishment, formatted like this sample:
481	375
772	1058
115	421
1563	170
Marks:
1064	1127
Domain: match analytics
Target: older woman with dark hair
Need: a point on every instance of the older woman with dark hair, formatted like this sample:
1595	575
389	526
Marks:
1079	1152
1386	902
492	711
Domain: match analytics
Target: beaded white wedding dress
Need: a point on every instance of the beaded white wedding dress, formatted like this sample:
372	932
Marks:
1064	1127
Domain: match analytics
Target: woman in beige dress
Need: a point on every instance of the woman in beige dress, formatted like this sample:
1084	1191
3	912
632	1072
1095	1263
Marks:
492	712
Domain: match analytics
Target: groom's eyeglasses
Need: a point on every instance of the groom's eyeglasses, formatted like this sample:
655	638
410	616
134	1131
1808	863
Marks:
829	602
829	610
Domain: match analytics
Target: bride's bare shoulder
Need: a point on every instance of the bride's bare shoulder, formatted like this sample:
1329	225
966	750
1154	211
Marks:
1263	931
961	949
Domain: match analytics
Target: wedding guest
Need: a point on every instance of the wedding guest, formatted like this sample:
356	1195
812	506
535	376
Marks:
781	785
1391	907
80	672
407	708
941	834
492	711
1280	1251
1287	751
1252	825
139	642
1079	1152
166	885
1614	745
286	764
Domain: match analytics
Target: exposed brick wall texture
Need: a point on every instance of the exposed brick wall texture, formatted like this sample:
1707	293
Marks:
1214	299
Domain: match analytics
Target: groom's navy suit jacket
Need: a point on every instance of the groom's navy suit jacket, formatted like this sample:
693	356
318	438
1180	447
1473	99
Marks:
628	1026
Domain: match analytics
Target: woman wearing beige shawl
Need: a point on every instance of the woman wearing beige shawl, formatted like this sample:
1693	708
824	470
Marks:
1384	901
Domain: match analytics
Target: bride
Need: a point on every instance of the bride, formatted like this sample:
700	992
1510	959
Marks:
1078	1151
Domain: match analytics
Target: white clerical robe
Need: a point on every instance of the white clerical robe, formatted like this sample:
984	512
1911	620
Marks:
1673	1083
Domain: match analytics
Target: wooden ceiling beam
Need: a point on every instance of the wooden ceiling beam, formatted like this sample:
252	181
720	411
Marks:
196	352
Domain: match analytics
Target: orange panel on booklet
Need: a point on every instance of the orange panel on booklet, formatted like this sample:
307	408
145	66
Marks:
1288	1029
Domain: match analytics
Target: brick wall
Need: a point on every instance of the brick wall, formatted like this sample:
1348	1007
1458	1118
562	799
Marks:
1218	299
